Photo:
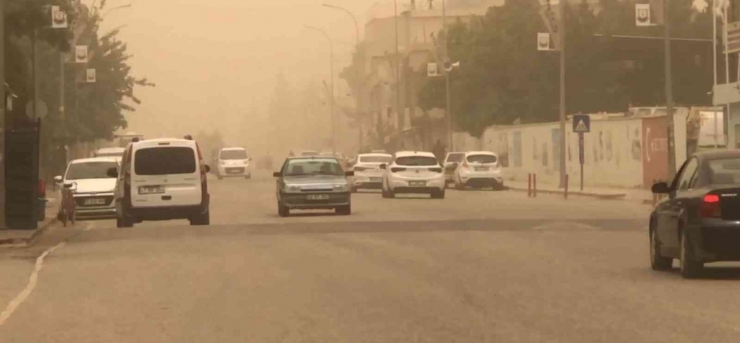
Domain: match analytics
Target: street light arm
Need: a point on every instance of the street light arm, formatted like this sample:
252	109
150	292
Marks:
354	19
320	31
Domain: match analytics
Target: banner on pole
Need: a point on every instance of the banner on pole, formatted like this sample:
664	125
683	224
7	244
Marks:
58	18
81	54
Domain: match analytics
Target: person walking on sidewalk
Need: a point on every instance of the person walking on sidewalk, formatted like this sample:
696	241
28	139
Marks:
439	150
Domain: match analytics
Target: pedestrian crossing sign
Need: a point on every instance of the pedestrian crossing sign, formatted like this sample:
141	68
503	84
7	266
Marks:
581	123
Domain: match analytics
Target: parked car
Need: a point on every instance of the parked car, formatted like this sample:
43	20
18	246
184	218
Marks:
309	183
91	187
368	174
452	159
233	162
479	169
162	179
699	221
413	172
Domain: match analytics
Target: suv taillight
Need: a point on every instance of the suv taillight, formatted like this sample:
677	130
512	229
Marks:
710	206
397	170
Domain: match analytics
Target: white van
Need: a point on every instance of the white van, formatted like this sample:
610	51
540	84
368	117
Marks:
233	162
162	179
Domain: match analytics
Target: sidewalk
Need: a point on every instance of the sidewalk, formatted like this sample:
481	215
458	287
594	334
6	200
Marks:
25	237
641	195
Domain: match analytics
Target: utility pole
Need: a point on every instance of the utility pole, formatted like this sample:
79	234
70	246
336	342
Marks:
448	116
561	32
2	117
399	110
331	91
669	91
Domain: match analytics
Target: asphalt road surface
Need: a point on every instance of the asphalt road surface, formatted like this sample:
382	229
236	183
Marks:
478	266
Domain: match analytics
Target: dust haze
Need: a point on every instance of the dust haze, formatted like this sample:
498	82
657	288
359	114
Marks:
216	66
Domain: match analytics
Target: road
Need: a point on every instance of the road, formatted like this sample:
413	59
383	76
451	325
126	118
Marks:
478	266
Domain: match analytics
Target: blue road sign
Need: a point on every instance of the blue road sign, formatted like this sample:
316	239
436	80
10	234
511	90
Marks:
581	123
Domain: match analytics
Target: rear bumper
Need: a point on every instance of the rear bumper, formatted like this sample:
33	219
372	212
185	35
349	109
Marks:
484	181
404	185
300	201
239	171
165	212
367	182
99	213
416	190
716	243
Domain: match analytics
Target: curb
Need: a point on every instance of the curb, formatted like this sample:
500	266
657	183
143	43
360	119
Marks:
617	196
25	242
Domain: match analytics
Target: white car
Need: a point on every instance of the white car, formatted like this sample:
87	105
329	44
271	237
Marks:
233	162
479	169
368	174
92	188
450	164
162	179
413	172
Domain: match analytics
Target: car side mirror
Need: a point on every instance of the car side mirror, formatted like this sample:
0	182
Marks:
58	179
207	168
112	172
276	174
349	173
661	188
383	166
68	184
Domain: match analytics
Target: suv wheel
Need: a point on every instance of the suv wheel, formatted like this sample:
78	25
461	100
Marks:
122	222
690	267
657	261
283	210
201	218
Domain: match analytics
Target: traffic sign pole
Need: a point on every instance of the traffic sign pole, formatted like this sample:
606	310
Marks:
581	125
581	155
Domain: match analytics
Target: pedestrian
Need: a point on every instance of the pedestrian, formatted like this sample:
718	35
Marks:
439	150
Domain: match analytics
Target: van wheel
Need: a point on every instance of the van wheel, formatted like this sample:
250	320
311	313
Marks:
201	219
283	210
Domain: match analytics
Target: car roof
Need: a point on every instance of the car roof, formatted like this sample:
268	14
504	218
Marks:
95	159
414	153
717	154
232	148
375	154
480	153
312	158
156	142
455	152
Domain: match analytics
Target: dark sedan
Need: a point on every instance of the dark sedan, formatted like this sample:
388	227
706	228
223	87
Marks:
310	183
699	221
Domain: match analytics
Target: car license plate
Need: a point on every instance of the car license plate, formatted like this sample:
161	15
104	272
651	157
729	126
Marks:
376	179
417	183
95	201
481	168
233	171
151	190
318	197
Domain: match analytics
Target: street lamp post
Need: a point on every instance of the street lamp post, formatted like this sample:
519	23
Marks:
358	84
2	117
448	116
331	72
399	115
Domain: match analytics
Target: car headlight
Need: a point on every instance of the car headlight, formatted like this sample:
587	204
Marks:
341	187
292	189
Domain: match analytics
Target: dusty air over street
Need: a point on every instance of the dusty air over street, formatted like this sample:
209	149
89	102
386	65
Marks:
370	171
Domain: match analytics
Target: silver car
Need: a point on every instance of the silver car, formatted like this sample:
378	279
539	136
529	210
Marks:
309	183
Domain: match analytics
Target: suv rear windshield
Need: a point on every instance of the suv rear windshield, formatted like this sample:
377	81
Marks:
483	159
416	161
89	170
376	159
164	161
233	155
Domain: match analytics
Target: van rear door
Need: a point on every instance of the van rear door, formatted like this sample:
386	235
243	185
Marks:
166	174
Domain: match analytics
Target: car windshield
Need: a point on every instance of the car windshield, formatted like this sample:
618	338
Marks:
455	157
90	170
482	159
233	155
304	167
724	171
376	159
416	161
164	161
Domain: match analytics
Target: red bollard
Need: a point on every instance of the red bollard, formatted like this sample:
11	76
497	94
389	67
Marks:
529	185
534	185
566	186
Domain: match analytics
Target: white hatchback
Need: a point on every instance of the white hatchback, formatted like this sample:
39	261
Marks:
233	162
368	174
479	169
91	186
413	172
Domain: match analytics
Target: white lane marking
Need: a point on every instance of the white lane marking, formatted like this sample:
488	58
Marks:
23	295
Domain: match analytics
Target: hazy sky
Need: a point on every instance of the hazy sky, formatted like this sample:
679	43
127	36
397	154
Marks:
211	60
